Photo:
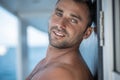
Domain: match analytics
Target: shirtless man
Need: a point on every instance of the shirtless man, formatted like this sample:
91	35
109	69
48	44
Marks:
68	26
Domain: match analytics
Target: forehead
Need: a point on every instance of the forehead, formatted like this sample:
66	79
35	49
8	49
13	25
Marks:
75	7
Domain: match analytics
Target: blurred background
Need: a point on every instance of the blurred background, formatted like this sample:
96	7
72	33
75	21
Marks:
23	36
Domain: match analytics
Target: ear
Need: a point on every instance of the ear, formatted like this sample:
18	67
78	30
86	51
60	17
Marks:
87	33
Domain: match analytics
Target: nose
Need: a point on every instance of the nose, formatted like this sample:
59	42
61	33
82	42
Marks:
61	23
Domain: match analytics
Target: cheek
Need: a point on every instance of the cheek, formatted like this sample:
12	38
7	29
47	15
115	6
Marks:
77	34
73	30
51	22
72	33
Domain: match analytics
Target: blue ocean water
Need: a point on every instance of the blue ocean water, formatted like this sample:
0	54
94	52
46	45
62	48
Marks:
36	54
8	65
8	62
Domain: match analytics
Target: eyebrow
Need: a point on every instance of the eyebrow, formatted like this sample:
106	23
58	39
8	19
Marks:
73	15
58	9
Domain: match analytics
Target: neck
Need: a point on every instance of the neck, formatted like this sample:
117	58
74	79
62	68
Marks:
56	53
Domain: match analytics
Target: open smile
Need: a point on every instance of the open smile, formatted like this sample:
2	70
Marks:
59	34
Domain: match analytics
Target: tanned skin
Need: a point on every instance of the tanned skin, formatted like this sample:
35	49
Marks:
67	28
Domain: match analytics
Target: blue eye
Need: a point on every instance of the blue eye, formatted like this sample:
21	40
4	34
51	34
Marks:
74	21
58	14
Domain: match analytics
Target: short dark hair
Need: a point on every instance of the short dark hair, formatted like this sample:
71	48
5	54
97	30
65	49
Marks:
91	7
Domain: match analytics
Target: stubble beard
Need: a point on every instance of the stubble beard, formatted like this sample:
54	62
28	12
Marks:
63	44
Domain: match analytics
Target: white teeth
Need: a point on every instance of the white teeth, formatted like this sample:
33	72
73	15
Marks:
59	34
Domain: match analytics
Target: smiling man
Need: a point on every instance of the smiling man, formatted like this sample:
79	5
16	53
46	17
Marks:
69	24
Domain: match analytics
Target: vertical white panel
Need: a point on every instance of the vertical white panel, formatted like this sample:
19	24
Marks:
117	35
108	34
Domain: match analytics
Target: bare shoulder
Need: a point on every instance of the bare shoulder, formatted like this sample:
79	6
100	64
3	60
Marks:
62	72
57	73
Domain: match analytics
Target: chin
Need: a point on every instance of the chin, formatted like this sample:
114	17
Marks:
60	45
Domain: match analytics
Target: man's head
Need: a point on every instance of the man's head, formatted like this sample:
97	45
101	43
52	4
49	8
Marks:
69	23
89	4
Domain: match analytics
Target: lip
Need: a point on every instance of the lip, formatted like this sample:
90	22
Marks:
59	34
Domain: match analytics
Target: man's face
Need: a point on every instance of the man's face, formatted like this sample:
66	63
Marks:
67	24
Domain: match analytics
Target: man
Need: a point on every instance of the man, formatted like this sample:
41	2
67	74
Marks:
68	26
